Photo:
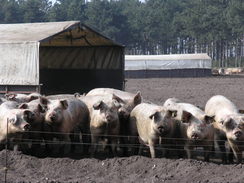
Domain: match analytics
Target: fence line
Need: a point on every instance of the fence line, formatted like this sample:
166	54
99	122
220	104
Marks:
28	141
121	136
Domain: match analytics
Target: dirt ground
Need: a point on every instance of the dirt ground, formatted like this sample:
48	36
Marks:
24	168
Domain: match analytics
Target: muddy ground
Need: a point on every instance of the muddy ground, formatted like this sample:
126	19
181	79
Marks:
24	168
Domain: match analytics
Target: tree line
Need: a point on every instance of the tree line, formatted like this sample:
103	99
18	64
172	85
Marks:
215	27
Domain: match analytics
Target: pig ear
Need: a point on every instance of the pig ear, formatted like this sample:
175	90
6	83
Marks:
241	111
186	116
10	96
76	95
171	113
200	108
23	106
64	104
118	99
209	119
137	98
33	97
116	104
98	105
44	100
12	120
41	108
221	121
155	116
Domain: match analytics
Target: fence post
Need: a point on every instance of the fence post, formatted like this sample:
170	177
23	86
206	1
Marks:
6	156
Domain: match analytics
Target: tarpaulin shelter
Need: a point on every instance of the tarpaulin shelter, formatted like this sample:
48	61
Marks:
175	65
61	57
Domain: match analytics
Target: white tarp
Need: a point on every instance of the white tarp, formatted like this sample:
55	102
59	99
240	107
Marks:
19	63
29	32
166	62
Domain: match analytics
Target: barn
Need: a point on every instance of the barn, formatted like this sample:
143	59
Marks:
58	57
175	65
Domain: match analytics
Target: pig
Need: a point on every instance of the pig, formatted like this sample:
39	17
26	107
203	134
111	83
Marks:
105	91
15	119
39	131
22	98
104	120
196	126
127	101
229	126
150	122
2	100
61	96
65	117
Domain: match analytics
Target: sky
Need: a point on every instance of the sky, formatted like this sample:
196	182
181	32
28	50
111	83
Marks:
53	1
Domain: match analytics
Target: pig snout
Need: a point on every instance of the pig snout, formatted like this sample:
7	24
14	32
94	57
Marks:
123	114
27	127
52	117
109	118
162	130
238	134
195	136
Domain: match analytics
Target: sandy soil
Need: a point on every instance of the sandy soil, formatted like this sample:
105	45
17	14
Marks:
24	168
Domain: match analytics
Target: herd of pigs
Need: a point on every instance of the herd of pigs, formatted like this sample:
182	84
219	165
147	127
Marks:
121	121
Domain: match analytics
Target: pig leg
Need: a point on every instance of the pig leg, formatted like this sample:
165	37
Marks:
2	146
207	152
86	140
111	145
221	144
189	151
152	149
94	140
237	152
35	143
140	150
231	156
75	140
134	145
65	144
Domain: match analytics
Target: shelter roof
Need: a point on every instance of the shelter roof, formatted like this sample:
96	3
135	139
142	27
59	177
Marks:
68	33
200	56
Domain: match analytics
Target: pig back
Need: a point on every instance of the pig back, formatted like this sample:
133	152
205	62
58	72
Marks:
220	106
78	112
60	96
109	91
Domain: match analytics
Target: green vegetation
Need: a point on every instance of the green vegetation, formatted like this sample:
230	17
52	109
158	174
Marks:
150	27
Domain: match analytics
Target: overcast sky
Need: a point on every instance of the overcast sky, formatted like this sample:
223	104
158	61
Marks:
53	1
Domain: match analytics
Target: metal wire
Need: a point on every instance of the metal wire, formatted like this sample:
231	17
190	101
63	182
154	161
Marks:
122	136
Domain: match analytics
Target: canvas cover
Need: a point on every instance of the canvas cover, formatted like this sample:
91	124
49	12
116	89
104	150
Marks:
19	63
27	48
167	62
81	58
29	32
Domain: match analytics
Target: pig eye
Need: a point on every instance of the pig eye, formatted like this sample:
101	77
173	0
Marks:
12	121
229	124
241	126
